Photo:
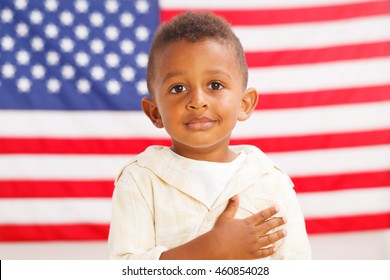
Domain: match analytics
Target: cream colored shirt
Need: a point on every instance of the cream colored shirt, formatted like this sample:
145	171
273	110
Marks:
156	207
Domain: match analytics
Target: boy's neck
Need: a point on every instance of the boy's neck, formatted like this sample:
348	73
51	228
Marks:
211	154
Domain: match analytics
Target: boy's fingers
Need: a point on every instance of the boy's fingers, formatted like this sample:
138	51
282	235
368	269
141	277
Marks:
271	238
231	209
263	215
270	224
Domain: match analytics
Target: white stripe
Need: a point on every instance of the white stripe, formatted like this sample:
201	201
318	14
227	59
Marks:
345	203
318	120
331	75
62	167
242	4
262	123
334	161
85	210
314	35
315	162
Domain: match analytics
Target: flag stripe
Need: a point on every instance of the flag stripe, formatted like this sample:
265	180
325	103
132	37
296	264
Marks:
57	232
252	4
97	210
262	123
84	232
106	167
315	35
341	181
137	145
322	75
103	188
292	15
287	100
56	188
348	223
316	55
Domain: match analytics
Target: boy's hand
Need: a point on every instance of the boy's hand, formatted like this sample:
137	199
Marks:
246	238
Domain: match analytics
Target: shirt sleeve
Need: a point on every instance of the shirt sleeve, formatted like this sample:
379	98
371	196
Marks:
132	233
296	244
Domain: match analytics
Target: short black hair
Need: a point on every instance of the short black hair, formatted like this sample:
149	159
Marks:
193	27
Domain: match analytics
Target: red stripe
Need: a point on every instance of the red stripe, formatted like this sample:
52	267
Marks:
55	188
135	146
342	181
50	232
304	56
322	141
251	17
285	100
348	223
84	232
104	189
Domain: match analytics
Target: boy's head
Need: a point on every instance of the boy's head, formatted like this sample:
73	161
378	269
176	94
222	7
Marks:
194	27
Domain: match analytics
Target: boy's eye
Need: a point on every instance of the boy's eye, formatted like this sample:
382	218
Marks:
215	86
178	89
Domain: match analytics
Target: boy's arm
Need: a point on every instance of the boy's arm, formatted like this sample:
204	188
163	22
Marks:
233	238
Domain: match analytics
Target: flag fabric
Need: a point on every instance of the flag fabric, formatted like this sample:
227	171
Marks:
73	74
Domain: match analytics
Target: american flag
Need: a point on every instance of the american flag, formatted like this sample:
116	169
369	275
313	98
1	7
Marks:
72	74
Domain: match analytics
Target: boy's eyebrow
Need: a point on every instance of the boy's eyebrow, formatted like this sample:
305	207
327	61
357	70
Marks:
172	74
179	73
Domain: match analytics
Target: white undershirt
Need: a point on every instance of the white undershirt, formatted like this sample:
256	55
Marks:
212	177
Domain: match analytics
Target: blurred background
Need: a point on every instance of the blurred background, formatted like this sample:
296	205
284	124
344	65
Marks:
72	74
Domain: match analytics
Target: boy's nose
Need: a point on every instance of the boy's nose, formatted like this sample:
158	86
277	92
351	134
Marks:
197	100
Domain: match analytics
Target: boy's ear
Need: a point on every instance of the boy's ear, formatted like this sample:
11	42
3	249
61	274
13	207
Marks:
248	104
151	110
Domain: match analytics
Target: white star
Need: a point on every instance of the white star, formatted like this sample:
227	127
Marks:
96	19
112	33
38	71
142	33
112	60
83	86
8	71
111	6
37	44
22	57
22	30
82	32
21	4
142	6
67	44
97	46
66	18
142	87
82	58
127	46
51	5
142	60
23	84
53	85
127	73
6	15
52	58
68	72
51	31
126	19
36	17
113	86
81	6
98	73
7	43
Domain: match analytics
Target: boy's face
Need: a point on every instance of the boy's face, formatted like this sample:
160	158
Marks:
198	96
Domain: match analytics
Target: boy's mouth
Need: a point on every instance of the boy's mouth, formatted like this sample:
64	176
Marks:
200	123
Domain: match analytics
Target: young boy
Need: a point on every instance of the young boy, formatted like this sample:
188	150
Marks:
201	198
